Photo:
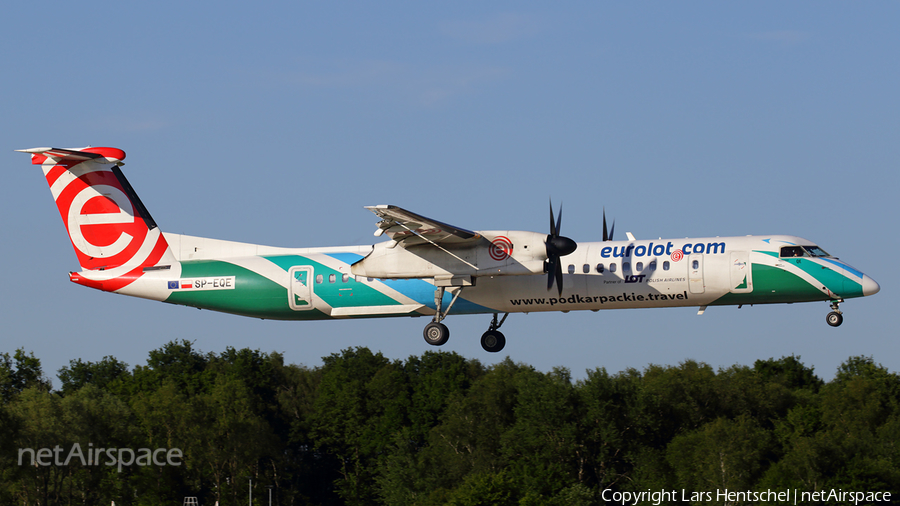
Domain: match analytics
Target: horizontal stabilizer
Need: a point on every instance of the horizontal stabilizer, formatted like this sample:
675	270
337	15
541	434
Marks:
63	156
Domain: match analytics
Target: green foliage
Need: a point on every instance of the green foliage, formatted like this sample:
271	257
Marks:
19	372
788	372
361	399
441	429
101	374
723	454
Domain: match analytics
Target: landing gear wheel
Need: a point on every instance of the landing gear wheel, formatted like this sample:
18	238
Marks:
834	319
493	341
436	333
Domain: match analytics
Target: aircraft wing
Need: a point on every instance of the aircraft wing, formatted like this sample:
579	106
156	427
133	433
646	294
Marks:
408	228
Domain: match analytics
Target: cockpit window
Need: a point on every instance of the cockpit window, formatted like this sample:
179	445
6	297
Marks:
793	251
802	251
816	251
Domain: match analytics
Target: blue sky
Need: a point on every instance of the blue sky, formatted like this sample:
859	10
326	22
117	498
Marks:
275	123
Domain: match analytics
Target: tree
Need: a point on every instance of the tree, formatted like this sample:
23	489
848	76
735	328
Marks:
362	401
846	436
469	438
723	454
101	374
614	418
19	372
545	444
175	362
788	372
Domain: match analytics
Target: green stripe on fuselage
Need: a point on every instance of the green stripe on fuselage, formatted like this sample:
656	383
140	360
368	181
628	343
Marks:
258	296
827	277
253	294
338	293
772	285
832	280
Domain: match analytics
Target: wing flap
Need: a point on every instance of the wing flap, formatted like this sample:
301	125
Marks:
408	228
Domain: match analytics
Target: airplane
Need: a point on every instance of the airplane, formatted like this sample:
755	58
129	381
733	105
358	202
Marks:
425	267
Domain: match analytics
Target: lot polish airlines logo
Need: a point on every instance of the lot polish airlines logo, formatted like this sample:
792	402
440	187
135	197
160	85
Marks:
110	238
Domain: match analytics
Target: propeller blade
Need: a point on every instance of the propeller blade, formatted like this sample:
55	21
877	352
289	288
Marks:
605	235
559	277
551	268
612	230
558	221
557	246
553	231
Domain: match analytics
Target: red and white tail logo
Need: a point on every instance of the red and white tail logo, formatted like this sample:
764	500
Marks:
112	233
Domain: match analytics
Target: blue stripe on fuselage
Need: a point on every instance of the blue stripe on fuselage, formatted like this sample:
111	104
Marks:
419	290
843	266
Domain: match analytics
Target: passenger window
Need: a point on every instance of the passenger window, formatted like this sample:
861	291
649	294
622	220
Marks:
319	279
345	278
638	267
331	278
600	268
652	266
612	267
571	269
586	268
626	266
666	265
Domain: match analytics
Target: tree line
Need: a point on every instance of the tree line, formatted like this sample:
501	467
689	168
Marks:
438	429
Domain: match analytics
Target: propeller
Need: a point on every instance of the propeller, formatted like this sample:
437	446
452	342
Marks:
611	230
557	246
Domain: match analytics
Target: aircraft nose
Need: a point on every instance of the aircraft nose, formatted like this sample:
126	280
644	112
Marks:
869	286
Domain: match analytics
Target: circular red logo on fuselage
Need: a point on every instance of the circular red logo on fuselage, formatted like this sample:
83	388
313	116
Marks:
501	248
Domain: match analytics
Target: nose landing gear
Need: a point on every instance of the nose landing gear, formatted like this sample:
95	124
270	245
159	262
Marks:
835	318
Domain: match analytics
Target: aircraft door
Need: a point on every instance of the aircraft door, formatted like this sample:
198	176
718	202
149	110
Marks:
695	273
741	279
301	288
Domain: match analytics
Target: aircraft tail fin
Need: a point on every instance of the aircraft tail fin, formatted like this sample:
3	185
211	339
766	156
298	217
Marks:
114	236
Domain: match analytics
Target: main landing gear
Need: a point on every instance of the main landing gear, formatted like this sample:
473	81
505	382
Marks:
493	340
437	334
835	318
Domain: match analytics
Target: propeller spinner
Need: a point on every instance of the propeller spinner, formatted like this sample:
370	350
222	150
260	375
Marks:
557	246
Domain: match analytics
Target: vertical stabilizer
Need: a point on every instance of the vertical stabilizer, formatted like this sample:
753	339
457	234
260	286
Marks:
113	235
